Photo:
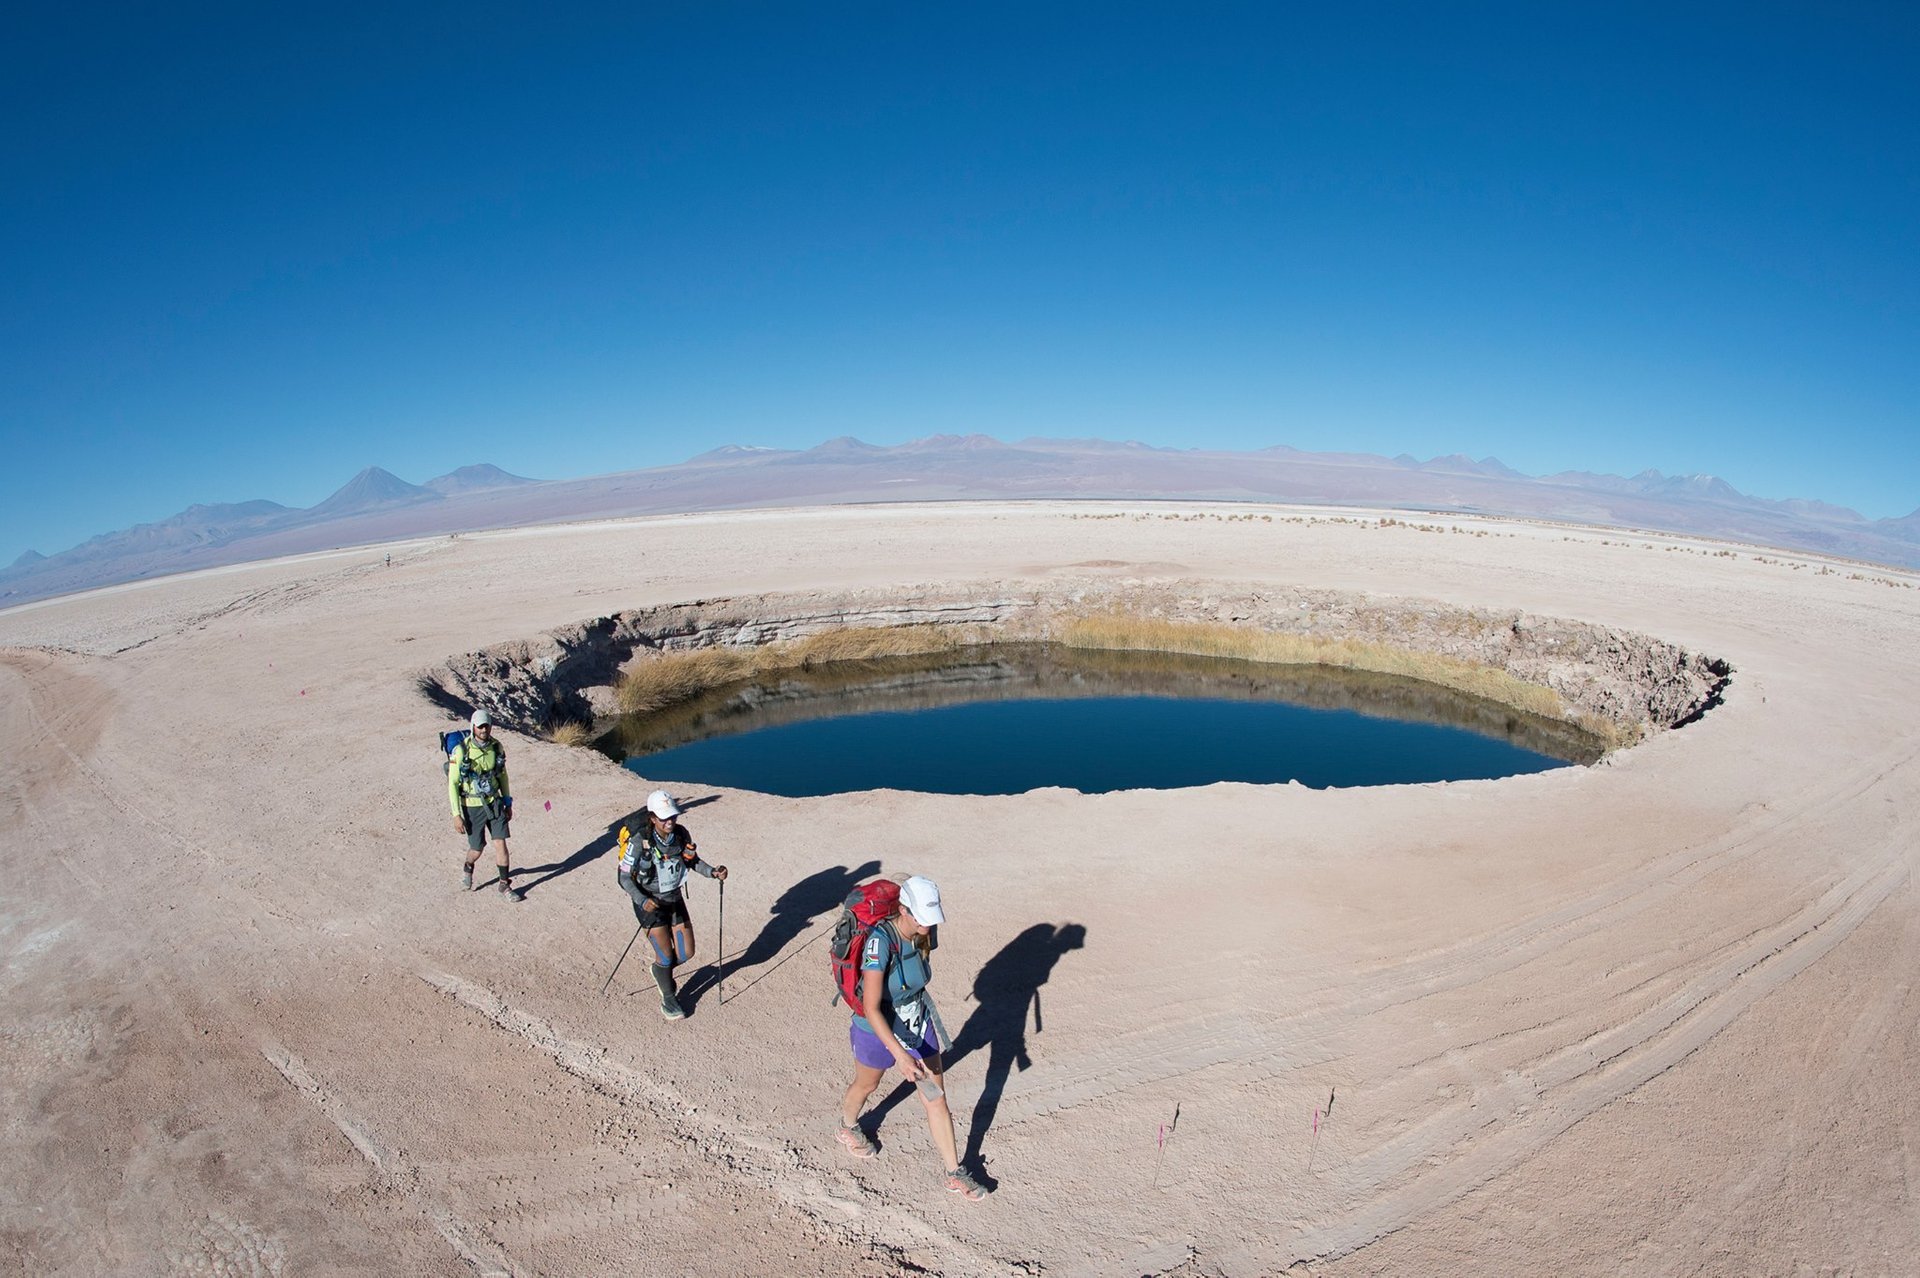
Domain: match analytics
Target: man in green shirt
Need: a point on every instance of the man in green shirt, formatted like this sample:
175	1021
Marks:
482	802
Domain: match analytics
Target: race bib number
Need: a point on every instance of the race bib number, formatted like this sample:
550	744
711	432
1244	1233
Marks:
672	873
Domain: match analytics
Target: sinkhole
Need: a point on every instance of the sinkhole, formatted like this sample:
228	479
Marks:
1011	717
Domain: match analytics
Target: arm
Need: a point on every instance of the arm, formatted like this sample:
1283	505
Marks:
632	889
453	780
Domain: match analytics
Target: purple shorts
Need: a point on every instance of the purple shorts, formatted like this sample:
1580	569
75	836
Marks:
868	1050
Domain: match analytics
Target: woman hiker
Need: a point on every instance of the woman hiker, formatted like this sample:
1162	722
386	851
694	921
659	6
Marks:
652	868
898	1025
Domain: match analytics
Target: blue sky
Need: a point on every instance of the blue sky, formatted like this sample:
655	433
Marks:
245	251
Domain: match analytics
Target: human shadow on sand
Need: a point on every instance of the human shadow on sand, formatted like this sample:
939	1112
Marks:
794	911
1008	985
798	906
606	841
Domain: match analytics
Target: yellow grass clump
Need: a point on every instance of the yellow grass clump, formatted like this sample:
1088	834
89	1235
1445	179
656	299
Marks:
677	676
569	732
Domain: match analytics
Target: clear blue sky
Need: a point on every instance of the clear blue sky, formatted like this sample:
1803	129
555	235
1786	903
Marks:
247	250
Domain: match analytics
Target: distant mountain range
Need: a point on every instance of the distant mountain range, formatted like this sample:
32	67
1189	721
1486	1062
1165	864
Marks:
376	506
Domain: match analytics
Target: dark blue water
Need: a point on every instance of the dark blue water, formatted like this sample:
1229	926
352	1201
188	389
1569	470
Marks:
1091	744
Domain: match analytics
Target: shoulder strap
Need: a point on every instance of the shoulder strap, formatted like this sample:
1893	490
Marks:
467	748
884	928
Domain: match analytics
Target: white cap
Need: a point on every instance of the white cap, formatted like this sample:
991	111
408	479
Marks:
480	717
922	900
661	804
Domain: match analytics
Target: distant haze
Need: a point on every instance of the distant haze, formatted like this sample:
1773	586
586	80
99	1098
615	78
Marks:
375	506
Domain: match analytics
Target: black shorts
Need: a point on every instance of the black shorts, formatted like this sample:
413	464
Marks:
484	819
665	914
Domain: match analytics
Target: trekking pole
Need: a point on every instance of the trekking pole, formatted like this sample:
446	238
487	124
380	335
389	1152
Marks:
623	958
720	959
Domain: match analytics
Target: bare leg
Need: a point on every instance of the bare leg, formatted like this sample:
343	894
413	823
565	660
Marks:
940	1119
865	1079
683	942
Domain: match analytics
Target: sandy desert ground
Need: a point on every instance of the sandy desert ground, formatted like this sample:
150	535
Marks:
1651	1017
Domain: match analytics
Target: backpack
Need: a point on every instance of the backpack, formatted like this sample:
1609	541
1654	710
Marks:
453	745
864	907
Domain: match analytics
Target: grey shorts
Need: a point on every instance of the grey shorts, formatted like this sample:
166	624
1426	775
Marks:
484	819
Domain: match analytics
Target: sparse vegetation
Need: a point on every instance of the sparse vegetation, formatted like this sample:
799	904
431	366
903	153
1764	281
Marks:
1121	631
674	677
569	732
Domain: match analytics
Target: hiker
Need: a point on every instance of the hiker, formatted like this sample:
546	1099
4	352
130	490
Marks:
482	803
653	865
898	1025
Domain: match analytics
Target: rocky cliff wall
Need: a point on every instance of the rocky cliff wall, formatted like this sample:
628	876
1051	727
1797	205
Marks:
1630	681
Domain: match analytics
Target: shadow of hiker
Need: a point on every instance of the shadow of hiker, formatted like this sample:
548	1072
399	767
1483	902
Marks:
798	906
1007	986
603	843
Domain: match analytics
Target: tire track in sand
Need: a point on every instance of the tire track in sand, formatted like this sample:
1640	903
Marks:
470	1243
1544	1101
1217	1035
891	1231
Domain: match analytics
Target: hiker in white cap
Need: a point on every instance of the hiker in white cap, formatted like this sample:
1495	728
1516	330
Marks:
482	802
898	1025
653	865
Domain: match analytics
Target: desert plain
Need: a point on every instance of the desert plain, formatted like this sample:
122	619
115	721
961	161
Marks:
1654	1016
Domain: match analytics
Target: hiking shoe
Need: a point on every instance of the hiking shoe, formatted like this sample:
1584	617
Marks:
670	1008
508	892
856	1142
960	1181
466	878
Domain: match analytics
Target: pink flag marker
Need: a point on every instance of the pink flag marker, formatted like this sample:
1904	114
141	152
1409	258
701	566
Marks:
1316	1120
548	805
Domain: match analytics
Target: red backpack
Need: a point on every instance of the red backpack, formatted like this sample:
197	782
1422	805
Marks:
864	907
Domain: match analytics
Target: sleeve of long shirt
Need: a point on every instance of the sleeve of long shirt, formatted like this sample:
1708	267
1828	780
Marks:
453	780
632	889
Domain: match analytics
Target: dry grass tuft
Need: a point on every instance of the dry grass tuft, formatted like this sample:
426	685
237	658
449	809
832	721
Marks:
569	732
677	676
864	643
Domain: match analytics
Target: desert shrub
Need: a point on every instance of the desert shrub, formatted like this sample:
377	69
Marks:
858	643
569	732
675	676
